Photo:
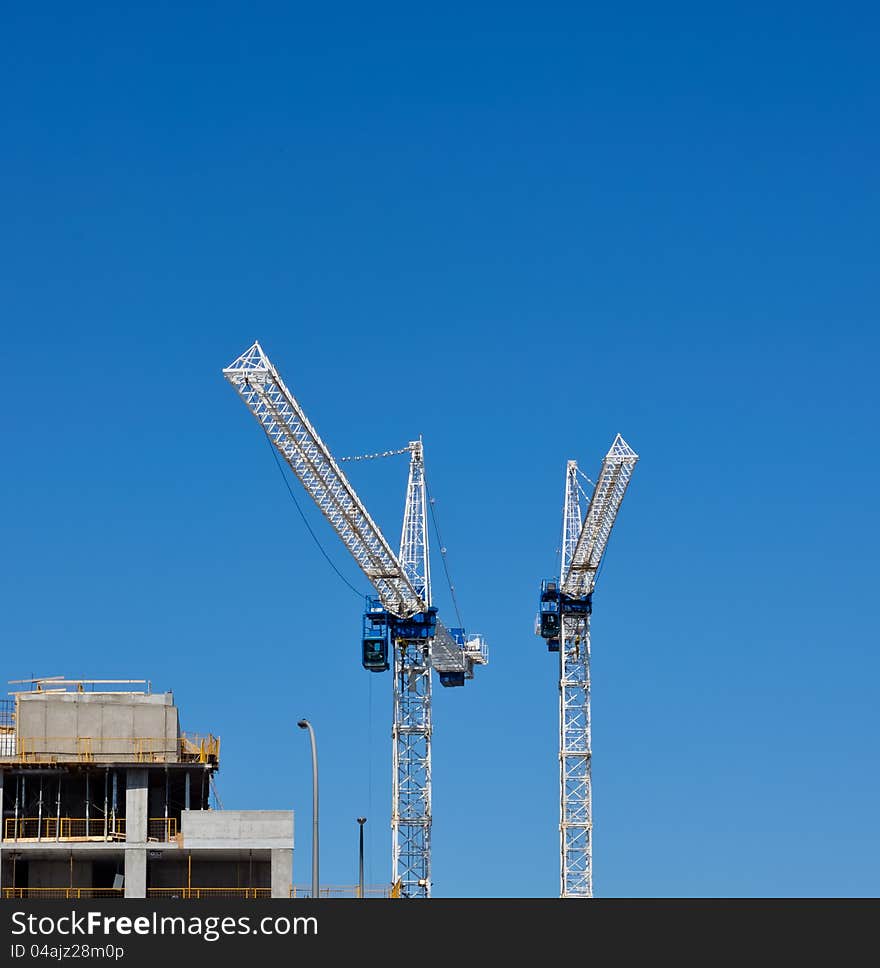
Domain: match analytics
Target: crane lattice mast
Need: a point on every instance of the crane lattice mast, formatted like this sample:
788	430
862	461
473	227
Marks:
411	729
575	744
566	607
402	615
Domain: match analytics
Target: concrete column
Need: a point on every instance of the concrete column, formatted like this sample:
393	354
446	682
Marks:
282	872
135	871
135	807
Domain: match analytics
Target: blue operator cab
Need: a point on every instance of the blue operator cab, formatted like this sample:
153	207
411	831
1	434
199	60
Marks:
375	640
548	615
554	604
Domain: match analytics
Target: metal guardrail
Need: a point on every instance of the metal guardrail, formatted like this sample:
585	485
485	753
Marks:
203	749
207	893
187	748
182	893
59	893
64	828
160	829
341	891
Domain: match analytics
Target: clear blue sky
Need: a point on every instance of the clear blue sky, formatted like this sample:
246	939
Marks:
516	229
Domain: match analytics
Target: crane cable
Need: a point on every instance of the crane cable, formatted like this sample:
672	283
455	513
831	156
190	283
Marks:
384	453
434	519
443	554
431	505
581	489
588	498
305	520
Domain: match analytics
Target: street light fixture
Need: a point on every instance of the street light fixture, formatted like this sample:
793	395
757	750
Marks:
361	821
305	724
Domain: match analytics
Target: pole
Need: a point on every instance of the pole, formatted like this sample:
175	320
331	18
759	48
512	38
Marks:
361	822
305	724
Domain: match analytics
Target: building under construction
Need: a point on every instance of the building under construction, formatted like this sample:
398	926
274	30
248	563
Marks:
103	796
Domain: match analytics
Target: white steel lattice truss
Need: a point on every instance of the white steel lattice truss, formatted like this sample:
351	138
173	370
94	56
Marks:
614	478
404	587
582	549
411	729
259	385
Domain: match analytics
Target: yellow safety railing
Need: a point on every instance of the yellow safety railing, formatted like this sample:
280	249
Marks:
64	828
188	748
205	749
161	828
79	828
206	893
342	891
60	893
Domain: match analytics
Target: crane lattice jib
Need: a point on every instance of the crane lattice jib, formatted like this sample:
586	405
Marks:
614	478
257	382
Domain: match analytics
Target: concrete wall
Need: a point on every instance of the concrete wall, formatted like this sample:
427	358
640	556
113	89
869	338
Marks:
57	873
255	829
172	871
105	725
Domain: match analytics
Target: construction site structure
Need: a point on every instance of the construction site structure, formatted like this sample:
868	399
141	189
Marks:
103	795
399	621
565	607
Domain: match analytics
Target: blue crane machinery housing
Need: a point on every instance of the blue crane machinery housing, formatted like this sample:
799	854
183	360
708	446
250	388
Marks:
553	605
381	628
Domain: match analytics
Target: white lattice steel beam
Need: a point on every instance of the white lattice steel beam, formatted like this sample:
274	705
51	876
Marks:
404	587
614	478
575	754
411	778
276	409
583	546
411	728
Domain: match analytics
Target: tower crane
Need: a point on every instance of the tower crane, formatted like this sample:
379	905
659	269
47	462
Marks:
564	621
399	619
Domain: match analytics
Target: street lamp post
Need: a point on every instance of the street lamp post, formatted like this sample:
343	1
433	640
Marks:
361	822
305	724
